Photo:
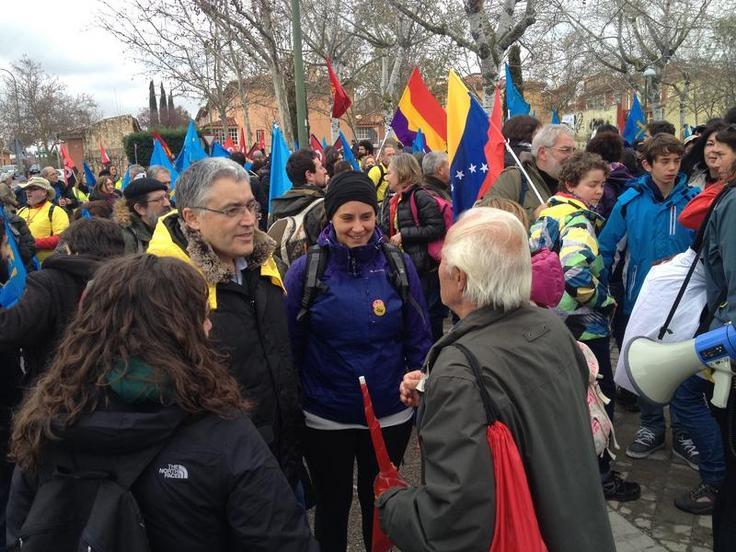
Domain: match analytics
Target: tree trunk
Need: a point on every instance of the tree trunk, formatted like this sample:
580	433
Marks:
683	102
282	102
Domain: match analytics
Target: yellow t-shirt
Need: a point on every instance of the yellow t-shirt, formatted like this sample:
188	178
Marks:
37	219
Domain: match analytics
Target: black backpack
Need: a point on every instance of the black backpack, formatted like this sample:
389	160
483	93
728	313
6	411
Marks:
86	511
317	262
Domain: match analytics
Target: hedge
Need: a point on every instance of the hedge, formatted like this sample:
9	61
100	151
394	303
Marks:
174	139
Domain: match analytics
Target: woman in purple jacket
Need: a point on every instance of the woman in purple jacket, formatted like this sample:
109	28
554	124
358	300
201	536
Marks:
363	314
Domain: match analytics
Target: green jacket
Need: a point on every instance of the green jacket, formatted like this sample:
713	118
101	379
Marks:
136	233
508	185
537	378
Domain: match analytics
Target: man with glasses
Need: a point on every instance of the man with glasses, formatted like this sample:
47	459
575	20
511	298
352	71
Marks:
144	201
552	145
216	229
160	173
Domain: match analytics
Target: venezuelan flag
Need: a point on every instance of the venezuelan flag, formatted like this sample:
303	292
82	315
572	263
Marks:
419	109
474	145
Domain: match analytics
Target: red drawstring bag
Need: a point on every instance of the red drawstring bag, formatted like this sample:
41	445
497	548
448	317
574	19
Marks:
516	529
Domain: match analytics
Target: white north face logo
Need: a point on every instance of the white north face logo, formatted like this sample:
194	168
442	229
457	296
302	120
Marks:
174	471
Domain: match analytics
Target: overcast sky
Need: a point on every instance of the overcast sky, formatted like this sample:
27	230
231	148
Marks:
63	38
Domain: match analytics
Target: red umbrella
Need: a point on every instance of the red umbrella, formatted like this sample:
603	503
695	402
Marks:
388	475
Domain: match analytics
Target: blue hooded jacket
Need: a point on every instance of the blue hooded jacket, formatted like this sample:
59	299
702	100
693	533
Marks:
643	230
356	327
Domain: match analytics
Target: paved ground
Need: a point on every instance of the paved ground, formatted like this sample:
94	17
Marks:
649	524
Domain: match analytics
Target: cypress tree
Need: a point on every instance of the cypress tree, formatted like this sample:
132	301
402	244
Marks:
163	108
152	104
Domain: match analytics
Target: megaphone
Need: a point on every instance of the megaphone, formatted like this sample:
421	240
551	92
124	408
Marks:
656	369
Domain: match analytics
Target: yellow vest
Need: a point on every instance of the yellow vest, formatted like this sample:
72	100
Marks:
381	186
37	219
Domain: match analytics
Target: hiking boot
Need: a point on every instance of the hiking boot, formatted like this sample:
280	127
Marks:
615	488
645	443
684	449
699	501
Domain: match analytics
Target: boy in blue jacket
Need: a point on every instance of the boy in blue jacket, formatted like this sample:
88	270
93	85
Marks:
642	231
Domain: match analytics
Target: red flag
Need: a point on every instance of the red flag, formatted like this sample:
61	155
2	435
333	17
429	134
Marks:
242	143
341	101
262	143
620	116
388	475
494	149
68	163
317	146
157	136
229	145
252	150
103	155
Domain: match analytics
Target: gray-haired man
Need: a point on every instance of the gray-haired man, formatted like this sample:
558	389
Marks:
552	145
216	229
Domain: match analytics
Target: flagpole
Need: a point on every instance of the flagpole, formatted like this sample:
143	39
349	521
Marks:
523	171
383	143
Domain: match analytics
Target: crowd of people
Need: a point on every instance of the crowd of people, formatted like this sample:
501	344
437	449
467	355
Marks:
196	350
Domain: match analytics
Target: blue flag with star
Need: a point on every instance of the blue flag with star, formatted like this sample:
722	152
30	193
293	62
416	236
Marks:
636	123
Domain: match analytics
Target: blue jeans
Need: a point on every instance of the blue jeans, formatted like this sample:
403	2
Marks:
690	404
652	417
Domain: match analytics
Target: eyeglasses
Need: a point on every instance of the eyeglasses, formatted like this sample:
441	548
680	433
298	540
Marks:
157	200
253	207
567	150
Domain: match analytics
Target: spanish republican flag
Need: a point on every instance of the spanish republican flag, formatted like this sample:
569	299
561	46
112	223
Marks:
419	109
341	99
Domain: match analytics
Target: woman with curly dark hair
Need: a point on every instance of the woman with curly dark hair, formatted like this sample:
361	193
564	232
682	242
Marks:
135	372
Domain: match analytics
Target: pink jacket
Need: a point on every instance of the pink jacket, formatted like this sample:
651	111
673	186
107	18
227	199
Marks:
548	281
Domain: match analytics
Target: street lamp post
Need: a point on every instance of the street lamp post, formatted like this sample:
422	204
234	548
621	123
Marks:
16	141
648	74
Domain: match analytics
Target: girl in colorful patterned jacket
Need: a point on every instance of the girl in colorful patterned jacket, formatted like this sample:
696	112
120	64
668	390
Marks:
568	226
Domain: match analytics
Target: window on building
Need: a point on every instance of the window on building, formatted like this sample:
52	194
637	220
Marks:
260	135
232	132
366	133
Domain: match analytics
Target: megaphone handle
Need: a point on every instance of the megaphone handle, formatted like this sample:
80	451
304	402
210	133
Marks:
722	388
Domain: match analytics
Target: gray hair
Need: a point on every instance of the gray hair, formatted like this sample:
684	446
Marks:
46	171
548	135
432	162
193	185
154	170
135	170
491	248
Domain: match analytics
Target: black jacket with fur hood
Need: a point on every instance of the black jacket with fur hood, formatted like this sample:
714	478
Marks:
136	233
249	325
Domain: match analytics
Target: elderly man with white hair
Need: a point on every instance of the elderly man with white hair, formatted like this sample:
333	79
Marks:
552	145
536	378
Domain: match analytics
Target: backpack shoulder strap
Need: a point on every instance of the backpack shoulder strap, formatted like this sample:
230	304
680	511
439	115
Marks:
51	219
488	406
524	188
397	266
315	268
697	247
399	277
383	174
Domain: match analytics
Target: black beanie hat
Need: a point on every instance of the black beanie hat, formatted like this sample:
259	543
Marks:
350	186
142	186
